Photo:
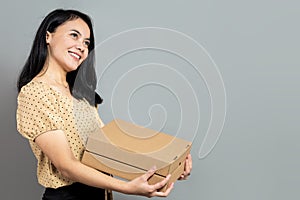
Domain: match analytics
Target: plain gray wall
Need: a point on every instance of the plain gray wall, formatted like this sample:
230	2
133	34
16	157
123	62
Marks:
255	45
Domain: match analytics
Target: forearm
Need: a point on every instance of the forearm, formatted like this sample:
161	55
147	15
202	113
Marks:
55	145
82	173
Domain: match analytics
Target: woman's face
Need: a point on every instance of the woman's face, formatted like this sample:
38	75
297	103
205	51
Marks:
68	45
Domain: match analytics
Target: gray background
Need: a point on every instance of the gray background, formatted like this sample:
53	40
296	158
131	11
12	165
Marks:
255	45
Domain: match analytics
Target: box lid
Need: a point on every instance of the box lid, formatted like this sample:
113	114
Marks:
138	146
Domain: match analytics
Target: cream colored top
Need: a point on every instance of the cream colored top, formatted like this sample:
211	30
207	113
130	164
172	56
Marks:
40	109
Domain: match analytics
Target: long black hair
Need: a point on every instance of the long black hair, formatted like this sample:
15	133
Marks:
83	80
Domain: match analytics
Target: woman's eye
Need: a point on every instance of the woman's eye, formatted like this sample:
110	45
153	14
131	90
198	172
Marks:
74	35
87	43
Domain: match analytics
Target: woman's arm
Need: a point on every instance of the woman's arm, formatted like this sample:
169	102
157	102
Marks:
55	145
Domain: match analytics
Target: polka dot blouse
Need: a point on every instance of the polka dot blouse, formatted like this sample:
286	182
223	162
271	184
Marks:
40	109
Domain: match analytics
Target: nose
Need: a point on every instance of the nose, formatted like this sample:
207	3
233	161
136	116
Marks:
80	47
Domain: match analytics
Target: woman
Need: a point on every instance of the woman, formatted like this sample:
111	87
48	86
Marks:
56	113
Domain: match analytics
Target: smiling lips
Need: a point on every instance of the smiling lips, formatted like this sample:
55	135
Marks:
74	55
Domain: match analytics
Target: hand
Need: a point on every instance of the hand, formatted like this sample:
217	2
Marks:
140	185
187	168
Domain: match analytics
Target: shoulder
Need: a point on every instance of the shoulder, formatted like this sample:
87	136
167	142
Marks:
35	87
37	90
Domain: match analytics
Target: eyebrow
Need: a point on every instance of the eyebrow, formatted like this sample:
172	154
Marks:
79	33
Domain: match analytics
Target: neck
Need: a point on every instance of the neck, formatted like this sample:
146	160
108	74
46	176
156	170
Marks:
55	74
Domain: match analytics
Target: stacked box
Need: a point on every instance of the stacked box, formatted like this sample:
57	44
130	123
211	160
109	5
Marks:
127	150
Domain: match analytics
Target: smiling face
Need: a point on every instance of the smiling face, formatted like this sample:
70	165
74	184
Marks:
68	45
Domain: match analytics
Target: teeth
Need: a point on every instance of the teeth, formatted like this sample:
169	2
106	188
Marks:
75	55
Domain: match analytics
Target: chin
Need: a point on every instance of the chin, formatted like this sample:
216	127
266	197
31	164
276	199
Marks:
70	69
73	67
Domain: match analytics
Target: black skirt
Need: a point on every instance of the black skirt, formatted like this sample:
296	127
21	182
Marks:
76	191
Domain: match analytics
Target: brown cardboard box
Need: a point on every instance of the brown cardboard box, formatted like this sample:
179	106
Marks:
127	150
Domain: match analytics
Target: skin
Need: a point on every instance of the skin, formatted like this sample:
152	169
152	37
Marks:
67	48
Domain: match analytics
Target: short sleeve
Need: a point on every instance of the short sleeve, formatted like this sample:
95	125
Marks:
37	112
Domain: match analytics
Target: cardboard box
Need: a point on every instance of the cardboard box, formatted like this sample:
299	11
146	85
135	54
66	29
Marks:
127	150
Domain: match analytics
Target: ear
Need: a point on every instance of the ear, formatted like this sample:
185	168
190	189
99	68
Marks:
48	37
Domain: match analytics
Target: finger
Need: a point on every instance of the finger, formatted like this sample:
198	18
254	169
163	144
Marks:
190	161
165	193
162	183
182	177
187	170
188	165
149	173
